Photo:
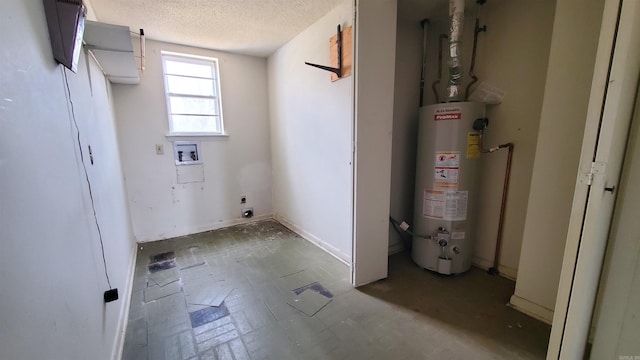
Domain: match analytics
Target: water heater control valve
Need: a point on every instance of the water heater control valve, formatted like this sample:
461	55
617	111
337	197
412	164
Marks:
443	237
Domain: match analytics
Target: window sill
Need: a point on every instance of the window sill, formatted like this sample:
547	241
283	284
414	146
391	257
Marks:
196	136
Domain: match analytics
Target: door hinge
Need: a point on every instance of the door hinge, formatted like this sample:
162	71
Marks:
596	168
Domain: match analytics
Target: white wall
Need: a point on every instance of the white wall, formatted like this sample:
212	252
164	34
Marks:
375	76
311	121
51	268
571	62
512	55
406	102
234	166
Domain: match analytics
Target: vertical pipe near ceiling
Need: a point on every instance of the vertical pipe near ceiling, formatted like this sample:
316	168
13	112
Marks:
425	32
142	50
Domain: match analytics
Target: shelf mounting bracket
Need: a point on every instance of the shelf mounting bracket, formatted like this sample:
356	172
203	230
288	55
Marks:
338	70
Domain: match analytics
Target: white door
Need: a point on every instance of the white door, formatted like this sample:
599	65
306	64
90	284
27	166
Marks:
610	110
616	321
374	79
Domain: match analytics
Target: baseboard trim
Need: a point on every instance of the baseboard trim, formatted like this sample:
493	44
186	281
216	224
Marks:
504	271
123	321
395	248
200	229
532	309
329	249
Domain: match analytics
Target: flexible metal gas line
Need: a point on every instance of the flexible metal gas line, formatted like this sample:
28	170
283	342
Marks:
456	20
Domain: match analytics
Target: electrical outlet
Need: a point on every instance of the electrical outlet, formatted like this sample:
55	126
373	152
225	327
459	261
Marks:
243	199
159	149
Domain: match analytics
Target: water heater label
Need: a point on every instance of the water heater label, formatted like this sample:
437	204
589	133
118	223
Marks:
448	113
447	205
446	169
474	145
446	177
449	159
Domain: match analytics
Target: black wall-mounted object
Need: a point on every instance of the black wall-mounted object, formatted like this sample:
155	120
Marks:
111	295
338	70
65	19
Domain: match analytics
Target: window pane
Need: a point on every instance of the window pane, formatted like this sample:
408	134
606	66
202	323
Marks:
190	86
192	89
183	123
189	69
189	105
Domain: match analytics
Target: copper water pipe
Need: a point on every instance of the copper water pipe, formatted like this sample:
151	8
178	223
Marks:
503	205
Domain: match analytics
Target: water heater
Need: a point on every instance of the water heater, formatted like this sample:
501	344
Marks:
449	147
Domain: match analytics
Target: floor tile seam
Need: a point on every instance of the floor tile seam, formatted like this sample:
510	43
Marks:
244	345
218	344
193	340
316	342
255	329
234	320
213	337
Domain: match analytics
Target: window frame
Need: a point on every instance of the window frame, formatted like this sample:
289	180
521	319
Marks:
196	60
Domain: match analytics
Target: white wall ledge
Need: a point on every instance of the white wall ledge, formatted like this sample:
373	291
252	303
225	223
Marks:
202	136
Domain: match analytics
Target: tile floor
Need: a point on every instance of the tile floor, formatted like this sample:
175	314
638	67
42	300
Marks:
267	281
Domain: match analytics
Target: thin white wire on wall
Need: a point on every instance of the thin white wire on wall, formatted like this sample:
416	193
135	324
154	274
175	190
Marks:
93	56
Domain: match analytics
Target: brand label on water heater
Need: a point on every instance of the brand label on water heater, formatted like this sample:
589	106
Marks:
448	113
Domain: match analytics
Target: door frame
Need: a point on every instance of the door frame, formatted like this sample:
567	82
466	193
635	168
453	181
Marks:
611	104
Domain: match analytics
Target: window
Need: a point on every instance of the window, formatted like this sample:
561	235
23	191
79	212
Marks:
192	87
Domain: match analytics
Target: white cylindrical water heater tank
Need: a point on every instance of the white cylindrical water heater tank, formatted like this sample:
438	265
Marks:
446	186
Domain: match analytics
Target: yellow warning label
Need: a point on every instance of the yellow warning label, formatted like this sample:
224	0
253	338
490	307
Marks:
474	145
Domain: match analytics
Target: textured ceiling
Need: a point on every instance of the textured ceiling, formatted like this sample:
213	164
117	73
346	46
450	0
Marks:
252	27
